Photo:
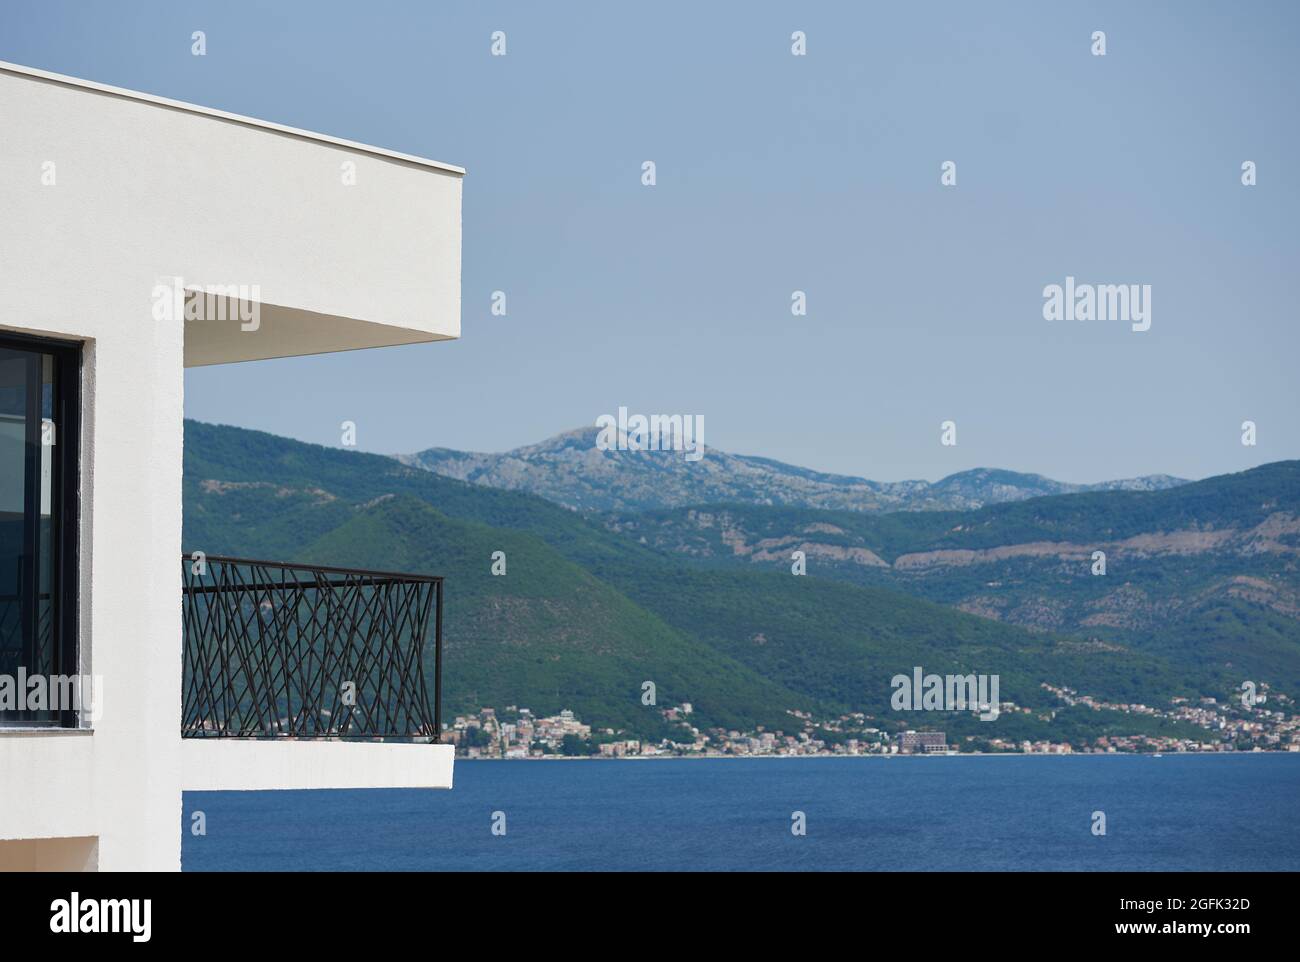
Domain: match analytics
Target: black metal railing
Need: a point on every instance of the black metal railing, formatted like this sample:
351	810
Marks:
306	651
32	652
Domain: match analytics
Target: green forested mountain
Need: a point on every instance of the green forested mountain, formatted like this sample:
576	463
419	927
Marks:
547	635
592	607
1206	573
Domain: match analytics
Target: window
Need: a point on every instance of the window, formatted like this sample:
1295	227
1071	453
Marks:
39	432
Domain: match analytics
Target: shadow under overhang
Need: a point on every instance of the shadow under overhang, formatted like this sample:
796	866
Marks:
225	330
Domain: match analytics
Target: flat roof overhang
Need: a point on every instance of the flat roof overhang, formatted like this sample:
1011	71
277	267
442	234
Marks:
340	245
225	338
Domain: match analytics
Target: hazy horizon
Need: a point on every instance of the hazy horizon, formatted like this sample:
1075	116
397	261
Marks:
745	454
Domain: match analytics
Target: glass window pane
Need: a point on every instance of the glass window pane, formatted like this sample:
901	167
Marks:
29	533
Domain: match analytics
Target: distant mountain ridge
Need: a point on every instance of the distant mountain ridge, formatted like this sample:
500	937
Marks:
570	470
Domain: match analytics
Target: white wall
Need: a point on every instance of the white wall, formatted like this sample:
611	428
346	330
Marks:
149	189
146	190
225	765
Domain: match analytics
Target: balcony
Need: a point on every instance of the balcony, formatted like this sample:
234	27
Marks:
304	676
305	651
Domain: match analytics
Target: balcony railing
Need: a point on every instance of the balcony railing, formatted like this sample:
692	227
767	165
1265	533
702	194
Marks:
305	651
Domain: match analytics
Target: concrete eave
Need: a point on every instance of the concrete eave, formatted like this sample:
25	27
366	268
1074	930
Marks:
181	105
339	246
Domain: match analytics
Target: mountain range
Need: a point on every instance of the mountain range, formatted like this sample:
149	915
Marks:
569	469
1208	571
1201	589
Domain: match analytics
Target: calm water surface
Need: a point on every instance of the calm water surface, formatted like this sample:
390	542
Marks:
1208	812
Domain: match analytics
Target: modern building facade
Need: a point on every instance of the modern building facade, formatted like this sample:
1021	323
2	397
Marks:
140	236
910	742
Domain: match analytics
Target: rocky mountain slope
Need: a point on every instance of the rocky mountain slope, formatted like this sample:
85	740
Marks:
570	470
1208	570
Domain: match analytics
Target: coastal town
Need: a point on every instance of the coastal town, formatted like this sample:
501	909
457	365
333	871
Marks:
1263	722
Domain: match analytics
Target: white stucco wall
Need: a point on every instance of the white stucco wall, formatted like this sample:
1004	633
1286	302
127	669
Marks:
150	189
145	190
117	783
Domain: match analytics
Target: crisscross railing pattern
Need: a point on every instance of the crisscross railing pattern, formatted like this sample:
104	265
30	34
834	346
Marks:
34	655
308	651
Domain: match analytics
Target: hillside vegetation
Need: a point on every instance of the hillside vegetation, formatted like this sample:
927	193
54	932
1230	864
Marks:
590	608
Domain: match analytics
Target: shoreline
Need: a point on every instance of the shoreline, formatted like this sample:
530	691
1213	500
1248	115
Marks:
655	758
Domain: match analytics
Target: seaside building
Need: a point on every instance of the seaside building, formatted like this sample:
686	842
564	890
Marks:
140	236
925	742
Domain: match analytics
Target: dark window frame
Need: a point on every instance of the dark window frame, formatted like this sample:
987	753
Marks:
65	485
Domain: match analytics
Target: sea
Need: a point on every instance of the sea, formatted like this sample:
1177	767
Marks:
986	813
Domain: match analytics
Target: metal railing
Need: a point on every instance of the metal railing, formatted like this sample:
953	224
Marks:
34	655
308	651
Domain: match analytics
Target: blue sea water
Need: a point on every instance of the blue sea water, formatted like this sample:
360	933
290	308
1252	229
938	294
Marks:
963	813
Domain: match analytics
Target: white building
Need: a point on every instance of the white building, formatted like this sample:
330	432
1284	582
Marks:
108	200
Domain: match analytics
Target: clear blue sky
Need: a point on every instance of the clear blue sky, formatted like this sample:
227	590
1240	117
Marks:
778	173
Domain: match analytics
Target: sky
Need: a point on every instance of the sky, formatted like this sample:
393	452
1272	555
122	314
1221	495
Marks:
778	173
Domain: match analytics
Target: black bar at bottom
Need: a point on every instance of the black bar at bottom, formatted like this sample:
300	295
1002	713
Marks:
947	914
